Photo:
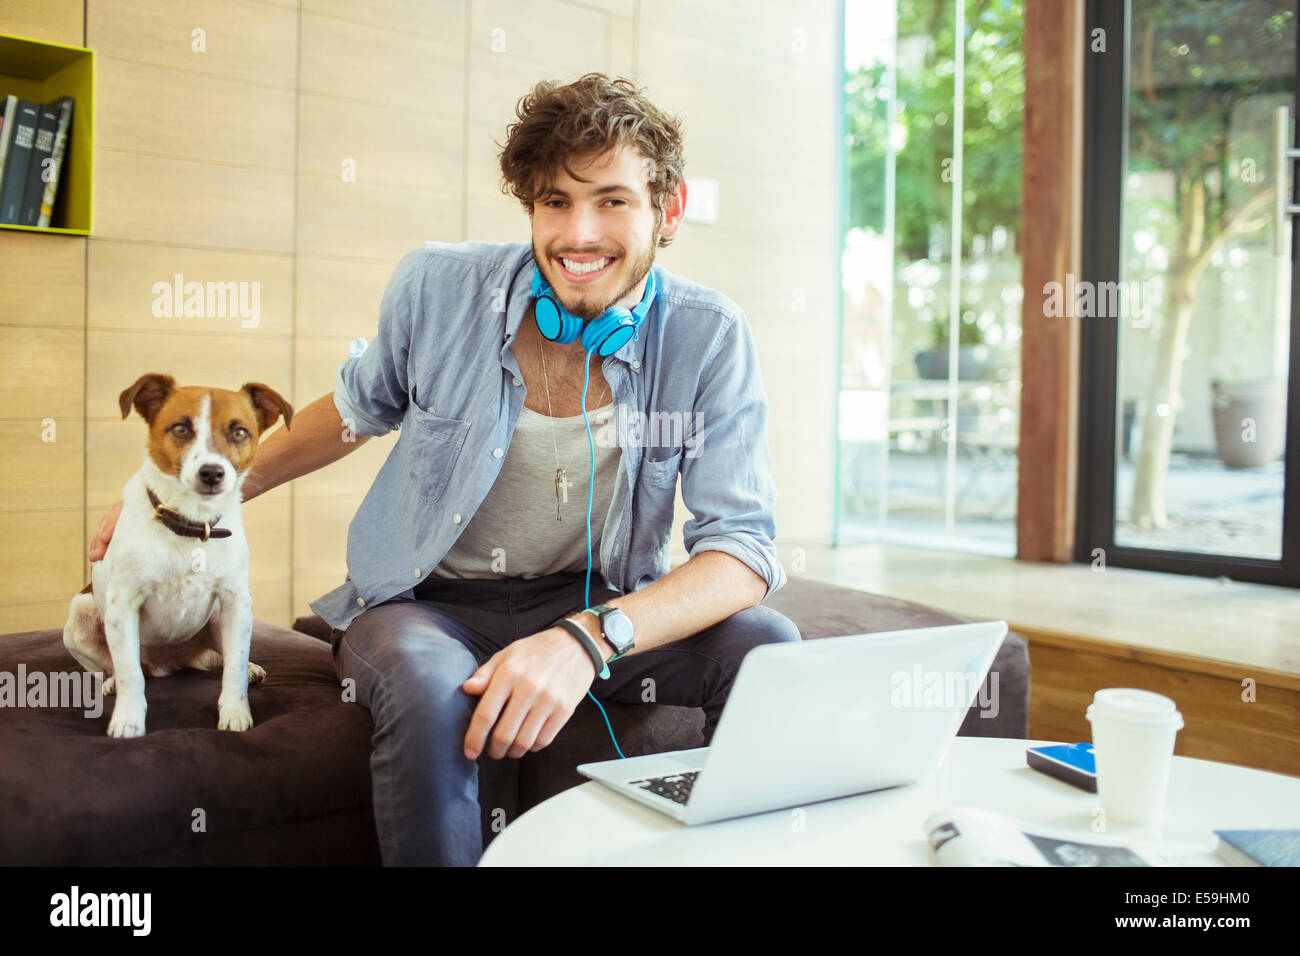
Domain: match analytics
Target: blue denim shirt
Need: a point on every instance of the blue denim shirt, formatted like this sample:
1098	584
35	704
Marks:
688	399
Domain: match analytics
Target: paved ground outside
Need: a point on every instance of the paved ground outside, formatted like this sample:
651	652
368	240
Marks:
1212	509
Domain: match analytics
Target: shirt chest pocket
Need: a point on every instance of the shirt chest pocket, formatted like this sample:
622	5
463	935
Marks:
435	446
656	494
663	473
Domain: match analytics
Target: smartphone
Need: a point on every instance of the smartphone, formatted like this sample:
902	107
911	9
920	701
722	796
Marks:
1072	763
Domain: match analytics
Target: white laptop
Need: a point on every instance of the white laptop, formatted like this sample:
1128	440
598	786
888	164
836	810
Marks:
813	720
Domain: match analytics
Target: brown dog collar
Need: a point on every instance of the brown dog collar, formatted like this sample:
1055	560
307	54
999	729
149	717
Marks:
179	524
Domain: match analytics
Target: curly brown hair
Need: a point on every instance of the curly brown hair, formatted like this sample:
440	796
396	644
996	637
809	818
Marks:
592	114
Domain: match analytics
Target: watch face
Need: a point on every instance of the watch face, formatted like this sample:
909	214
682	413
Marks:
618	627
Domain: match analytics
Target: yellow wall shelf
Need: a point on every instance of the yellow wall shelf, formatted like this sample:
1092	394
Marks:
41	72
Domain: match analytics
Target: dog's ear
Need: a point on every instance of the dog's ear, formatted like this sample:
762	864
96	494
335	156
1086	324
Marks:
268	404
147	395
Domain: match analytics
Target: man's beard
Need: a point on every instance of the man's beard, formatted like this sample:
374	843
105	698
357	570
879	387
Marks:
640	268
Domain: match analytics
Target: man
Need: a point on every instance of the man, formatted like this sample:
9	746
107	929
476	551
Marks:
458	569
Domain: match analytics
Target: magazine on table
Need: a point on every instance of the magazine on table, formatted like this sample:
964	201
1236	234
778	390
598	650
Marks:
967	836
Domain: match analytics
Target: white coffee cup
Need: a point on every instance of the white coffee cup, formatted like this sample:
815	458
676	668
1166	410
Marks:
1133	735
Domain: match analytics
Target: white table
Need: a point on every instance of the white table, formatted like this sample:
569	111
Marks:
593	825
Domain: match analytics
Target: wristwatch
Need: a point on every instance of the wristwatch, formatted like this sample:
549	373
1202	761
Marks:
615	627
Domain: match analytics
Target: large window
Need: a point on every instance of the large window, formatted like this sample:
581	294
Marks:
930	369
1189	365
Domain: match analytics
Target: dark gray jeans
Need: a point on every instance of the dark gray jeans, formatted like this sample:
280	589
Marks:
408	659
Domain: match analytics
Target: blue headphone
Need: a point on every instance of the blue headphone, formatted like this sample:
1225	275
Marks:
605	335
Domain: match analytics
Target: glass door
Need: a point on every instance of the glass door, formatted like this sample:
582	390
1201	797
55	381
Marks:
1189	314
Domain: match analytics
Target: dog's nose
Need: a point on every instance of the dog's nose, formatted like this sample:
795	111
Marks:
211	474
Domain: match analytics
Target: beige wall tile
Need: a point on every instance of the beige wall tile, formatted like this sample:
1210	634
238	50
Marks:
622	57
141	107
160	199
621	8
379	145
123	275
51	21
338	300
242	40
266	525
43	555
54	268
320	540
46	381
49	615
366	65
558	36
271	603
801	32
497	220
353	220
42	465
442	20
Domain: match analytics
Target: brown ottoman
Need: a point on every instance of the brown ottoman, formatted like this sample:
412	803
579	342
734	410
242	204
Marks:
293	790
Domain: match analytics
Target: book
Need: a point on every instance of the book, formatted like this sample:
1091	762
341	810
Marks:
1259	847
10	110
38	168
18	160
60	152
968	836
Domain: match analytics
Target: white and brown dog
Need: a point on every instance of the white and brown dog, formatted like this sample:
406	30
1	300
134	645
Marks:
172	590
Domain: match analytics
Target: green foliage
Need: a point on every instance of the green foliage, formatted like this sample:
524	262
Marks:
994	97
1192	67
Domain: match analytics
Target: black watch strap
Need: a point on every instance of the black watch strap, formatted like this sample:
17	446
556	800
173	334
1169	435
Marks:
585	640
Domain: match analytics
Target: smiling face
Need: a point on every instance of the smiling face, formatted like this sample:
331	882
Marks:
205	438
595	241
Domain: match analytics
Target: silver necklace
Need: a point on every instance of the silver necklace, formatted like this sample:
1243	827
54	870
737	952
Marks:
561	475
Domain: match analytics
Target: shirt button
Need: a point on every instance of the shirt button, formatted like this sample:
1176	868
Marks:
361	602
417	572
497	453
455	519
636	365
517	382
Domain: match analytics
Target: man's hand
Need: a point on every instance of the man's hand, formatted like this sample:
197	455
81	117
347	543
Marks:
530	690
99	543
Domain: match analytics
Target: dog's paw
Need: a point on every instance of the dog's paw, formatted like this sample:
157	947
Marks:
109	686
126	722
256	673
235	716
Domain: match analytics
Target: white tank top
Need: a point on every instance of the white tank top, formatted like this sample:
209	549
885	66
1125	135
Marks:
514	533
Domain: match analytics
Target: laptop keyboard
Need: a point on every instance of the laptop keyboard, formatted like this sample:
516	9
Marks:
675	787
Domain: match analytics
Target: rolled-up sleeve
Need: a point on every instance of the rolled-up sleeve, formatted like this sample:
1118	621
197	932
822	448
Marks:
371	388
727	467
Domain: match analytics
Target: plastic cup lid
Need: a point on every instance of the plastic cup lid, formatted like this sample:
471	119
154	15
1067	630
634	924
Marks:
1134	705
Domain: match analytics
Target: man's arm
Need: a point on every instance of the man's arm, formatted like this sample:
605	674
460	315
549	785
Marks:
727	485
318	438
708	588
530	688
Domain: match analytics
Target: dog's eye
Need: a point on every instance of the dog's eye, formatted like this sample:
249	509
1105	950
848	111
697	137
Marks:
180	430
239	433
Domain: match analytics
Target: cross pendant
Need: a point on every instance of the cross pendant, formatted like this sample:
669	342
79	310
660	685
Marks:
561	487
